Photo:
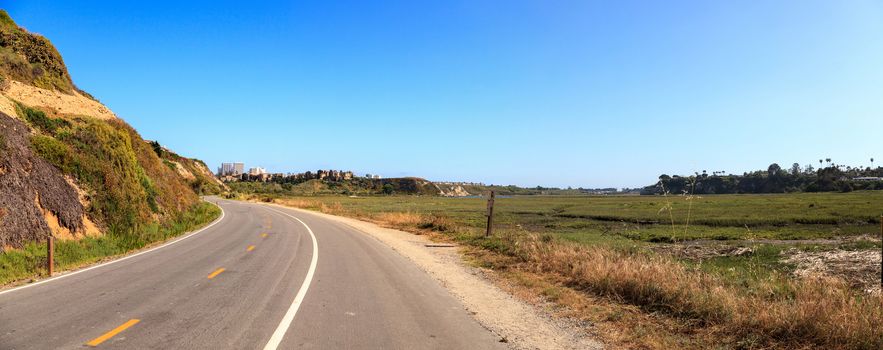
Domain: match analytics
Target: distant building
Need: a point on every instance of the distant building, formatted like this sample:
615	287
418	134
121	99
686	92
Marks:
375	176
231	169
261	174
868	178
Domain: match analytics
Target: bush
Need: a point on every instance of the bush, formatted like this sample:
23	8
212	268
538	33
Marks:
52	150
39	120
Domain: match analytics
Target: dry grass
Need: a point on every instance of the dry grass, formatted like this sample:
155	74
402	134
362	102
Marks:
298	203
618	325
331	208
819	312
397	219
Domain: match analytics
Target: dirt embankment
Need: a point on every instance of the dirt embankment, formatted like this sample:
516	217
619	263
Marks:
56	101
35	197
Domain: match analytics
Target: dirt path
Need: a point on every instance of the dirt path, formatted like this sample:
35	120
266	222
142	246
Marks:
521	325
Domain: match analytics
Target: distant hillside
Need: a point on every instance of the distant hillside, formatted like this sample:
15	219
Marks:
68	166
197	174
356	186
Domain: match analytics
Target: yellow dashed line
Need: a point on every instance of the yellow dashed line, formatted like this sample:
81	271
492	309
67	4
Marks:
263	235
115	331
250	248
217	272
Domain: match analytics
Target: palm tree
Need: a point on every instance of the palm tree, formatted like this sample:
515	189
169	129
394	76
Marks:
820	163
828	160
872	162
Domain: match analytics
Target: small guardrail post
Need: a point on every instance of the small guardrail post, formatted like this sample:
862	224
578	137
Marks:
490	215
50	254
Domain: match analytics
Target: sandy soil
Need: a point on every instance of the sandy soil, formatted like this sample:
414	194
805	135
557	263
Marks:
62	103
183	171
7	107
861	269
523	326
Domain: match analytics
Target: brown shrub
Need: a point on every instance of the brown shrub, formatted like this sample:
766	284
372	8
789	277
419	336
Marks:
437	223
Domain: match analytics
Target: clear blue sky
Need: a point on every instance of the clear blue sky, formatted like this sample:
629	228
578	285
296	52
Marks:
556	93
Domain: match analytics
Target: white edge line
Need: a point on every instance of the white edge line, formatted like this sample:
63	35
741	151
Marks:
120	259
276	339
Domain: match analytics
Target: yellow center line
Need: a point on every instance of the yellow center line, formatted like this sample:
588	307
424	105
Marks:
115	331
263	235
250	248
217	272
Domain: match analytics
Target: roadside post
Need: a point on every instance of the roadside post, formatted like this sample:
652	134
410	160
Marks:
50	254
881	250
490	216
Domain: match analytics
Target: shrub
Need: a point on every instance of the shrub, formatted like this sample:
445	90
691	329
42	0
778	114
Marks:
39	120
52	150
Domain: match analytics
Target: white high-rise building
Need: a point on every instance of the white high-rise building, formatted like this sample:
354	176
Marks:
233	169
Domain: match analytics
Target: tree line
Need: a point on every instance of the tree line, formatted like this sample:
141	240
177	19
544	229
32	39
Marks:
775	179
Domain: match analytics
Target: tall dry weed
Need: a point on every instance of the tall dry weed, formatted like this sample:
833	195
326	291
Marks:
298	203
332	208
400	219
817	312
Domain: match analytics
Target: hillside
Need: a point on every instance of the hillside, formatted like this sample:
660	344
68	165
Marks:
69	167
357	186
197	174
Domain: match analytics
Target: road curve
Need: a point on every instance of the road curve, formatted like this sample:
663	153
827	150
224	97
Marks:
260	278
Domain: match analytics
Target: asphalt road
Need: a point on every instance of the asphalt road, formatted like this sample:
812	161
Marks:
259	278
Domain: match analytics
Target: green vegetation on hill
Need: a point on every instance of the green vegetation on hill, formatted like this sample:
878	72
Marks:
357	186
203	181
128	185
31	58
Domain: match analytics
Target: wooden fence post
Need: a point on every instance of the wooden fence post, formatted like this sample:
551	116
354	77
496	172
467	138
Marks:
50	254
490	216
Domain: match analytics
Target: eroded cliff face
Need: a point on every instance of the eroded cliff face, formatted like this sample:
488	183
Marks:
35	198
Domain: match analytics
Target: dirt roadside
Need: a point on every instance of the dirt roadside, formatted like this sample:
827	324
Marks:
521	325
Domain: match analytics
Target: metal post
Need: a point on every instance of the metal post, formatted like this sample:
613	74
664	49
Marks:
50	253
881	250
490	216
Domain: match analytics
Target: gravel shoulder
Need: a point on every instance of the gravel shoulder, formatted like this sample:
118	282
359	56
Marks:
521	325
